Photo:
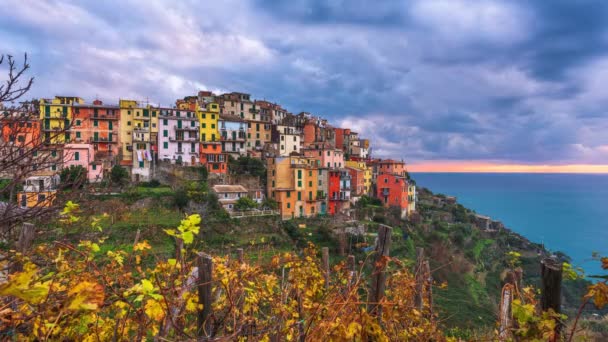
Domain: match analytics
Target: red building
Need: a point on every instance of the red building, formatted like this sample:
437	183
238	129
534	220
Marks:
392	191
213	158
333	191
310	133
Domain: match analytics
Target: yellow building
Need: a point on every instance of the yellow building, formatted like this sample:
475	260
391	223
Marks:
411	198
135	120
208	118
56	116
39	190
293	182
367	174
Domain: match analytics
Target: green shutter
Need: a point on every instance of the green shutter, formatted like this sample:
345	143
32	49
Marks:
76	155
165	145
96	136
110	125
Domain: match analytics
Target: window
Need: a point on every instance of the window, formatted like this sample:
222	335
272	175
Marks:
204	116
128	123
41	197
141	164
299	174
165	133
165	122
310	173
76	155
203	137
94	167
288	205
191	123
288	194
204	125
77	122
165	145
299	195
310	183
212	126
54	153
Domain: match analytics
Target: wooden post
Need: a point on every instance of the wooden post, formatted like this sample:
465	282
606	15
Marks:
342	243
179	246
240	255
429	287
350	268
137	237
418	300
378	283
205	271
551	288
506	300
325	265
26	237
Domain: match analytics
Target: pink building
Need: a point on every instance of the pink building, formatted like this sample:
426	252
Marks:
327	155
83	155
178	132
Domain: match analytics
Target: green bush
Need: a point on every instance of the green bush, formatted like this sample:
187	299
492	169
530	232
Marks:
245	203
119	175
73	176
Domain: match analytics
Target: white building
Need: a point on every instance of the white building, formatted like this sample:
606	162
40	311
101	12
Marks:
228	195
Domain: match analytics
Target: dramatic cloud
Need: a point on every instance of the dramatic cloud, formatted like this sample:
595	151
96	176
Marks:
492	80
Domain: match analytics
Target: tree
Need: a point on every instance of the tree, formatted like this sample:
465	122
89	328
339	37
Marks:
23	151
247	165
180	199
119	175
74	176
270	204
245	203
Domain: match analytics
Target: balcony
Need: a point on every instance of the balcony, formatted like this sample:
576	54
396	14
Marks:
185	128
102	140
105	117
193	152
179	151
183	139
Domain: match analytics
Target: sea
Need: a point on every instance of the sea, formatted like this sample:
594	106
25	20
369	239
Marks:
565	212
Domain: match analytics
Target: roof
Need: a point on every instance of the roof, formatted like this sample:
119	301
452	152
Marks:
229	188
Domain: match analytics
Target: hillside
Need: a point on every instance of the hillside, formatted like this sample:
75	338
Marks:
467	262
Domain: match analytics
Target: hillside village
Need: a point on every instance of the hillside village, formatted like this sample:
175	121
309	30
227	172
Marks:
313	168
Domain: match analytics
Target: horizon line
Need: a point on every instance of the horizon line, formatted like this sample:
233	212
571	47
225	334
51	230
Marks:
488	167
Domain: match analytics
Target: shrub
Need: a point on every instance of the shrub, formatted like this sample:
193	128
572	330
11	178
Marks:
119	175
245	203
73	176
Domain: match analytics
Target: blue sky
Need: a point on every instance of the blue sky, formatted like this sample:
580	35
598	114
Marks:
460	80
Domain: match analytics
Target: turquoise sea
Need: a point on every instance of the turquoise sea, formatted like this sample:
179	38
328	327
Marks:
566	212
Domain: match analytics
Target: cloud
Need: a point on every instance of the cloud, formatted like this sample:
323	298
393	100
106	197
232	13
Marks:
513	81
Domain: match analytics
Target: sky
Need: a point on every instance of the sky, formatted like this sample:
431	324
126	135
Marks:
438	83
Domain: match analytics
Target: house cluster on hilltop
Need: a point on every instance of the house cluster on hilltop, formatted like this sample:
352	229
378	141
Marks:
313	168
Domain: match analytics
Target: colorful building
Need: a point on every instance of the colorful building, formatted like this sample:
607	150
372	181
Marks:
178	138
294	183
213	158
209	122
97	124
238	104
327	155
357	181
56	116
143	157
287	139
411	198
258	134
20	129
228	195
233	135
367	173
83	155
392	191
39	190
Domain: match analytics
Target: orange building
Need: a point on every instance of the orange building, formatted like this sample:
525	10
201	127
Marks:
293	183
20	129
213	158
97	124
357	181
392	190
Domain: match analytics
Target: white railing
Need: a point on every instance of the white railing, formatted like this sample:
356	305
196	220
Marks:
252	213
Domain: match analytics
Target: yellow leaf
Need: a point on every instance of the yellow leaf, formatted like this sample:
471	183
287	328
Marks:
172	262
24	285
599	293
86	296
154	310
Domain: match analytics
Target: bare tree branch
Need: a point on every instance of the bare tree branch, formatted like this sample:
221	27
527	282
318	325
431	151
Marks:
12	90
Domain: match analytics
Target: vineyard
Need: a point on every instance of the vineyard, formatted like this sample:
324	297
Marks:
86	292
